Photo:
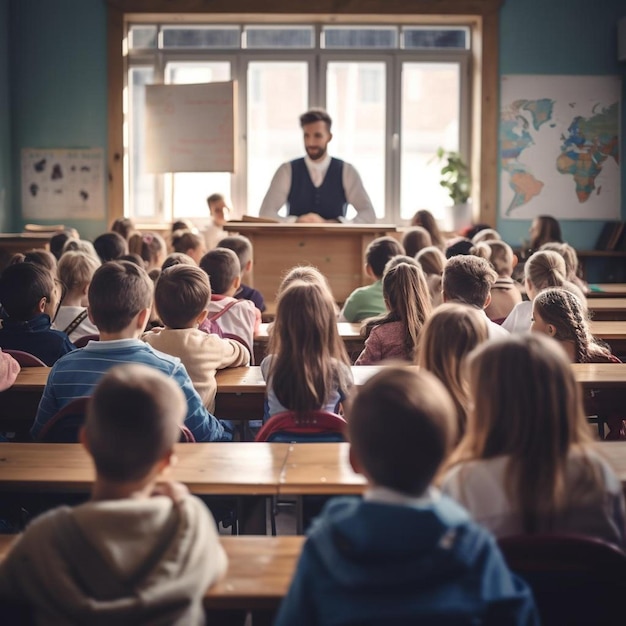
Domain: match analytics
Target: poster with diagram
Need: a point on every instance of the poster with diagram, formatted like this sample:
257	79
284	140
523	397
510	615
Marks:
65	183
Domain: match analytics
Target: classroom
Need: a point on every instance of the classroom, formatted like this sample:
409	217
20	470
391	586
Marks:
73	78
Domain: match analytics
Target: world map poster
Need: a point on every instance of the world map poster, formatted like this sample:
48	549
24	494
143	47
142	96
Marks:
559	147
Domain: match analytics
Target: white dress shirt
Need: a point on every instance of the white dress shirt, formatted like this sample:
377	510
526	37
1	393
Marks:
278	192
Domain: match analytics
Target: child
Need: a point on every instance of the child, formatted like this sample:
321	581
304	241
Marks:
426	220
75	271
110	246
150	247
404	554
396	334
558	313
177	258
505	294
120	299
449	335
571	262
368	301
543	269
242	247
239	319
182	298
188	243
123	226
468	279
218	210
37	256
139	551
307	366
30	297
486	234
80	245
527	462
432	260
415	239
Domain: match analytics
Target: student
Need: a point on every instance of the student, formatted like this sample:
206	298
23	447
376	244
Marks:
449	335
544	228
404	554
189	243
150	247
80	245
120	299
30	297
468	279
426	220
242	247
182	298
505	294
218	211
396	334
307	366
177	258
110	246
75	271
123	226
37	256
571	262
368	301
239	319
9	369
486	234
559	314
415	239
432	260
542	270
57	241
140	550
527	462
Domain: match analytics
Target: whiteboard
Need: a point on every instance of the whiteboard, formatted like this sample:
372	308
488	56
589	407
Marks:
190	128
63	183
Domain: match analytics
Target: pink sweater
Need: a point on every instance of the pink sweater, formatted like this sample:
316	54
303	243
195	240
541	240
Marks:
386	341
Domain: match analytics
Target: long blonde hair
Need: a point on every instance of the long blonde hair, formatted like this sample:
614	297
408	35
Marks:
449	335
306	348
527	407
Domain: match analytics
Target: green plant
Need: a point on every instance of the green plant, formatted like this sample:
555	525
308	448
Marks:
454	176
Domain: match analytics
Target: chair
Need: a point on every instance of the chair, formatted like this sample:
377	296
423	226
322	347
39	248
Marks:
81	342
65	424
25	359
576	580
313	427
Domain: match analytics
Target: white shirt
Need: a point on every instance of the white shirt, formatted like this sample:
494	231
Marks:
356	195
520	318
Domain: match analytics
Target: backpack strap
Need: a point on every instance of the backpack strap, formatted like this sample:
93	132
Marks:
216	316
76	322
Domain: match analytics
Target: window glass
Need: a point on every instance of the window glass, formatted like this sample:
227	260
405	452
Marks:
279	37
359	37
413	38
201	37
142	37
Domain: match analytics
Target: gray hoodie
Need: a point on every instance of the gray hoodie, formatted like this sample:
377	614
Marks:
116	562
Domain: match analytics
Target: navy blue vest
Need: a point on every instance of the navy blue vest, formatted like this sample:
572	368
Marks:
327	200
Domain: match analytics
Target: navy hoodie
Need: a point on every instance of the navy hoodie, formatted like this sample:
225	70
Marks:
377	564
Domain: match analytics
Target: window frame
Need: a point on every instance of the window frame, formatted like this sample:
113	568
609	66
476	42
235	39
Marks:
480	16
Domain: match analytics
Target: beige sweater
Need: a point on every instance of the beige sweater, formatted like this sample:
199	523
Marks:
116	562
202	355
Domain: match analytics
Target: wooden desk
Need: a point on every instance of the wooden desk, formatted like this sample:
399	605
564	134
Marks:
12	243
350	333
259	572
607	309
607	290
337	250
242	469
614	333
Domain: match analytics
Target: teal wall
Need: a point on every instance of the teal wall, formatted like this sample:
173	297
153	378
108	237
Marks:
563	37
57	79
5	123
58	83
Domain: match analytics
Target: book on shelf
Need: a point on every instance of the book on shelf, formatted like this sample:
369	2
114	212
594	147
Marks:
611	236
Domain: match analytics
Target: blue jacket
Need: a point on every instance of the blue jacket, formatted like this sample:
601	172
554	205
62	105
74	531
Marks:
377	564
36	337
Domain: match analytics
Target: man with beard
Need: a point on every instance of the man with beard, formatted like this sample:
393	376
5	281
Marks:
318	187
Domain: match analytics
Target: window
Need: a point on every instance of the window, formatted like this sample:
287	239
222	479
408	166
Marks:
395	92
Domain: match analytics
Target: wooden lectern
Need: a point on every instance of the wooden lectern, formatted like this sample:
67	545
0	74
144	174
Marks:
337	250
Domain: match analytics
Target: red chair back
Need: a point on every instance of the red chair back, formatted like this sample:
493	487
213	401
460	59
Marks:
314	426
81	342
65	424
25	359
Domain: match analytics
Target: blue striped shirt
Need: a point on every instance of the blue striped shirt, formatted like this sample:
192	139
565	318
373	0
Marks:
77	373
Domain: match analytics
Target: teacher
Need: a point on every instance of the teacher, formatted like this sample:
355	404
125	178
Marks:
317	188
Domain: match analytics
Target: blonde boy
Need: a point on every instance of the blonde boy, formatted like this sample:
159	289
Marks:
182	296
137	552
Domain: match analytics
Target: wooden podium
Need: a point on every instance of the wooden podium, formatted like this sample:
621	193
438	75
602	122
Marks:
337	250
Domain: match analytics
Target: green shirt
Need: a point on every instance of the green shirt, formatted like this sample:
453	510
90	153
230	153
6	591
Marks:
364	302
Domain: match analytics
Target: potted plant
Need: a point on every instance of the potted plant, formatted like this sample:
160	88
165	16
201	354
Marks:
455	179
